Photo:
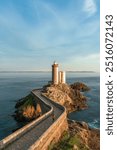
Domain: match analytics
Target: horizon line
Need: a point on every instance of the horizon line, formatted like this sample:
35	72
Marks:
41	71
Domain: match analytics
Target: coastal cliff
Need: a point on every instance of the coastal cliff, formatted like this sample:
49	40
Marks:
67	95
79	134
78	137
27	109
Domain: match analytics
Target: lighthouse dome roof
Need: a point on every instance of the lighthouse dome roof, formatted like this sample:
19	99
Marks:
55	62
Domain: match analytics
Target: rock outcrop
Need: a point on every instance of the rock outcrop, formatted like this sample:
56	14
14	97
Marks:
90	137
80	86
67	95
78	137
27	109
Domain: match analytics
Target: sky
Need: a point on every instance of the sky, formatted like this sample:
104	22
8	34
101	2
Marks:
35	33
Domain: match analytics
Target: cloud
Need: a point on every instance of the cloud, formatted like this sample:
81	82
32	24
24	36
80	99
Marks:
87	62
47	31
90	7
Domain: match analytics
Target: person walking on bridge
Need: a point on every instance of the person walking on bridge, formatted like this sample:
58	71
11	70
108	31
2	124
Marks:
53	116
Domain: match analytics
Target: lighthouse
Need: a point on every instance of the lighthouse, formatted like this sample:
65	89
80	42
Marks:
58	77
55	73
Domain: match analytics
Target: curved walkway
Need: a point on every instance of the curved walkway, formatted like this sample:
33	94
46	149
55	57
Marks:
30	137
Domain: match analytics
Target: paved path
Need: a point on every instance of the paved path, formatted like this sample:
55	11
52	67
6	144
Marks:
30	137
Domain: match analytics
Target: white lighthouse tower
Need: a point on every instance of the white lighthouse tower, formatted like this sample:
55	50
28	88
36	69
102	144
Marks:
55	73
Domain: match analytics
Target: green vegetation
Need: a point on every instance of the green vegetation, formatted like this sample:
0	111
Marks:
68	142
27	109
27	101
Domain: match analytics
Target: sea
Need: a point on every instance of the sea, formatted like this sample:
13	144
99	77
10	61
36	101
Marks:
14	86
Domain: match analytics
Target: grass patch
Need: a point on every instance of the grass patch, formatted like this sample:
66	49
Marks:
27	101
67	142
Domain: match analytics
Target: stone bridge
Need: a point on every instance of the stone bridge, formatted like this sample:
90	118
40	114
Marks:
38	134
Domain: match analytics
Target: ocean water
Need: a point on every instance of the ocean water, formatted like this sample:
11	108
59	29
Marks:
14	86
92	114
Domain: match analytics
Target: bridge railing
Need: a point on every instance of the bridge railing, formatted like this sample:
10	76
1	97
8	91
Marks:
47	134
59	124
50	100
61	107
17	134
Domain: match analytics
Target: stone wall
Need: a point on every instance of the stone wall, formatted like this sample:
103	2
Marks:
15	135
44	107
53	134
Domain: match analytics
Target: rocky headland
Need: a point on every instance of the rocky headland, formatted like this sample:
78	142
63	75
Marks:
79	136
67	95
27	109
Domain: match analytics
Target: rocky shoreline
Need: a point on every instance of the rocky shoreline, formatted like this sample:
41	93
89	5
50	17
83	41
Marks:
71	97
67	95
78	137
27	108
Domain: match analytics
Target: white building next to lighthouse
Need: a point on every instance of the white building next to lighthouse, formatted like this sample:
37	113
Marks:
62	78
57	76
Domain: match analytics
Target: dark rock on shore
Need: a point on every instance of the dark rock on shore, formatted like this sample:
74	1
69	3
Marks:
80	86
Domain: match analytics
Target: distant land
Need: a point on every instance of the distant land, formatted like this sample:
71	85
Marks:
46	71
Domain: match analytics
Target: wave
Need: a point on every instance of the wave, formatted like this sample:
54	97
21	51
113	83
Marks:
94	124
